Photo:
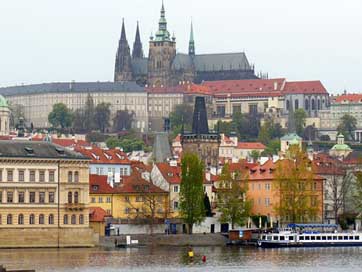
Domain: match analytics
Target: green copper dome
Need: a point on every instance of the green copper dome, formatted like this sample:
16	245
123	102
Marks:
3	102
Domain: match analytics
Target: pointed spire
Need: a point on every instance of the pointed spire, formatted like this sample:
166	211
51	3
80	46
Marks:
137	51
123	65
192	42
123	32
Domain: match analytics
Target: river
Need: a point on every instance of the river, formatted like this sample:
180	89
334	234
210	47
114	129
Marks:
175	259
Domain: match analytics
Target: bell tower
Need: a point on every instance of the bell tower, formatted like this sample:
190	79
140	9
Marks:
162	51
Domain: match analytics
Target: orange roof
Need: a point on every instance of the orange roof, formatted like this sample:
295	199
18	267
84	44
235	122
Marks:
97	214
250	145
349	98
304	87
188	88
129	184
172	174
104	156
70	142
255	87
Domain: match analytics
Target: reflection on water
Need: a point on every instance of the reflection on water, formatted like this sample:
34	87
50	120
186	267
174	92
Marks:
175	259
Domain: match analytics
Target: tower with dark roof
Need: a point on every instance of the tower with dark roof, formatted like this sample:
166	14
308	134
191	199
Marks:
137	51
123	67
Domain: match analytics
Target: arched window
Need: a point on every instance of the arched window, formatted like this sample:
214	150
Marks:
74	219
65	219
75	197
81	219
70	196
9	219
32	219
313	104
296	104
287	105
41	219
306	104
21	219
70	176
51	219
76	176
319	104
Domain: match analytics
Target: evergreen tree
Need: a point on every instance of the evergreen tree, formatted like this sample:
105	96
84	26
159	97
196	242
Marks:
89	113
347	126
207	205
123	120
191	190
231	195
102	116
60	116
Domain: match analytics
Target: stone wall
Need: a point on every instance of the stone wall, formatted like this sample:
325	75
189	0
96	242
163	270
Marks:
47	237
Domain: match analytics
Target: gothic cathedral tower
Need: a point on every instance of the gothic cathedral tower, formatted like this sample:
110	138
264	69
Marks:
161	54
123	68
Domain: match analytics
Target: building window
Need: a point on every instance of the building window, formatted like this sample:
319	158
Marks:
32	197
51	176
51	219
175	189
73	219
175	205
21	219
108	199
127	211
100	199
41	219
42	176
139	198
9	219
267	202
32	219
81	219
313	104
267	186
51	197
21	197
93	200
1	175
306	104
70	196
10	197
76	176
108	211
10	175
65	219
32	176
296	104
41	197
21	175
76	197
70	176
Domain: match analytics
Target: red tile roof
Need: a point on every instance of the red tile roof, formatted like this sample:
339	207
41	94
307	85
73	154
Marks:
188	88
304	87
240	88
104	156
70	142
129	184
349	97
97	214
250	145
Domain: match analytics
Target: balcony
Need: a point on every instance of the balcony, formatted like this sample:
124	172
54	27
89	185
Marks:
74	206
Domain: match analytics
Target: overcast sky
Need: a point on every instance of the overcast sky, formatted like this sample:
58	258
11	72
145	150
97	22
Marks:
64	40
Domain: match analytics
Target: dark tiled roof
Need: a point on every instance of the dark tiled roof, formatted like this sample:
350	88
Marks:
140	66
219	62
29	149
69	87
182	62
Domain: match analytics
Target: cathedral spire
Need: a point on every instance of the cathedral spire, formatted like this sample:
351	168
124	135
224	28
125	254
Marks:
192	42
123	65
162	34
137	51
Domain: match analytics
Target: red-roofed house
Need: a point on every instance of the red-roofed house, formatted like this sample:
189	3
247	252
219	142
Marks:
168	177
97	219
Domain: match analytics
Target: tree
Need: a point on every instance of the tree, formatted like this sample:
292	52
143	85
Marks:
231	196
207	205
272	148
347	126
102	115
78	121
89	113
299	117
60	116
181	115
296	188
224	127
128	145
357	194
265	133
123	120
17	111
191	190
255	155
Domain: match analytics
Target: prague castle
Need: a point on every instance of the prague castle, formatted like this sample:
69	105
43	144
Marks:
165	67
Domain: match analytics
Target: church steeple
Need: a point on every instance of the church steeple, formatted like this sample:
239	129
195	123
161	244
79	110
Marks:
192	42
137	51
123	66
162	34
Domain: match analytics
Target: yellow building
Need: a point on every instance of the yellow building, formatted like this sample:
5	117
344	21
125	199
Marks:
132	198
44	196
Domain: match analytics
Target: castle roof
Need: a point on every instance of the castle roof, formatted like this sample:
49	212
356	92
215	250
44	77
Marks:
70	87
304	87
221	62
357	98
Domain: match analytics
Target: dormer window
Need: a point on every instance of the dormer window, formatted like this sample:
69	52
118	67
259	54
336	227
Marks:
170	174
29	150
95	156
95	188
60	151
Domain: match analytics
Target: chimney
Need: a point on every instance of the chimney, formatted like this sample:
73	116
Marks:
275	85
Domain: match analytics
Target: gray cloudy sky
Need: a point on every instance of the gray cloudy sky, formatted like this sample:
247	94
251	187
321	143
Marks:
63	40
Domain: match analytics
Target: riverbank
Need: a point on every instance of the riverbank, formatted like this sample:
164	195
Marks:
209	239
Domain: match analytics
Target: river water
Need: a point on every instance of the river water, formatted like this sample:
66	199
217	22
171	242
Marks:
175	259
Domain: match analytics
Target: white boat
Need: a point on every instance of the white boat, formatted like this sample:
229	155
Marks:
293	238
